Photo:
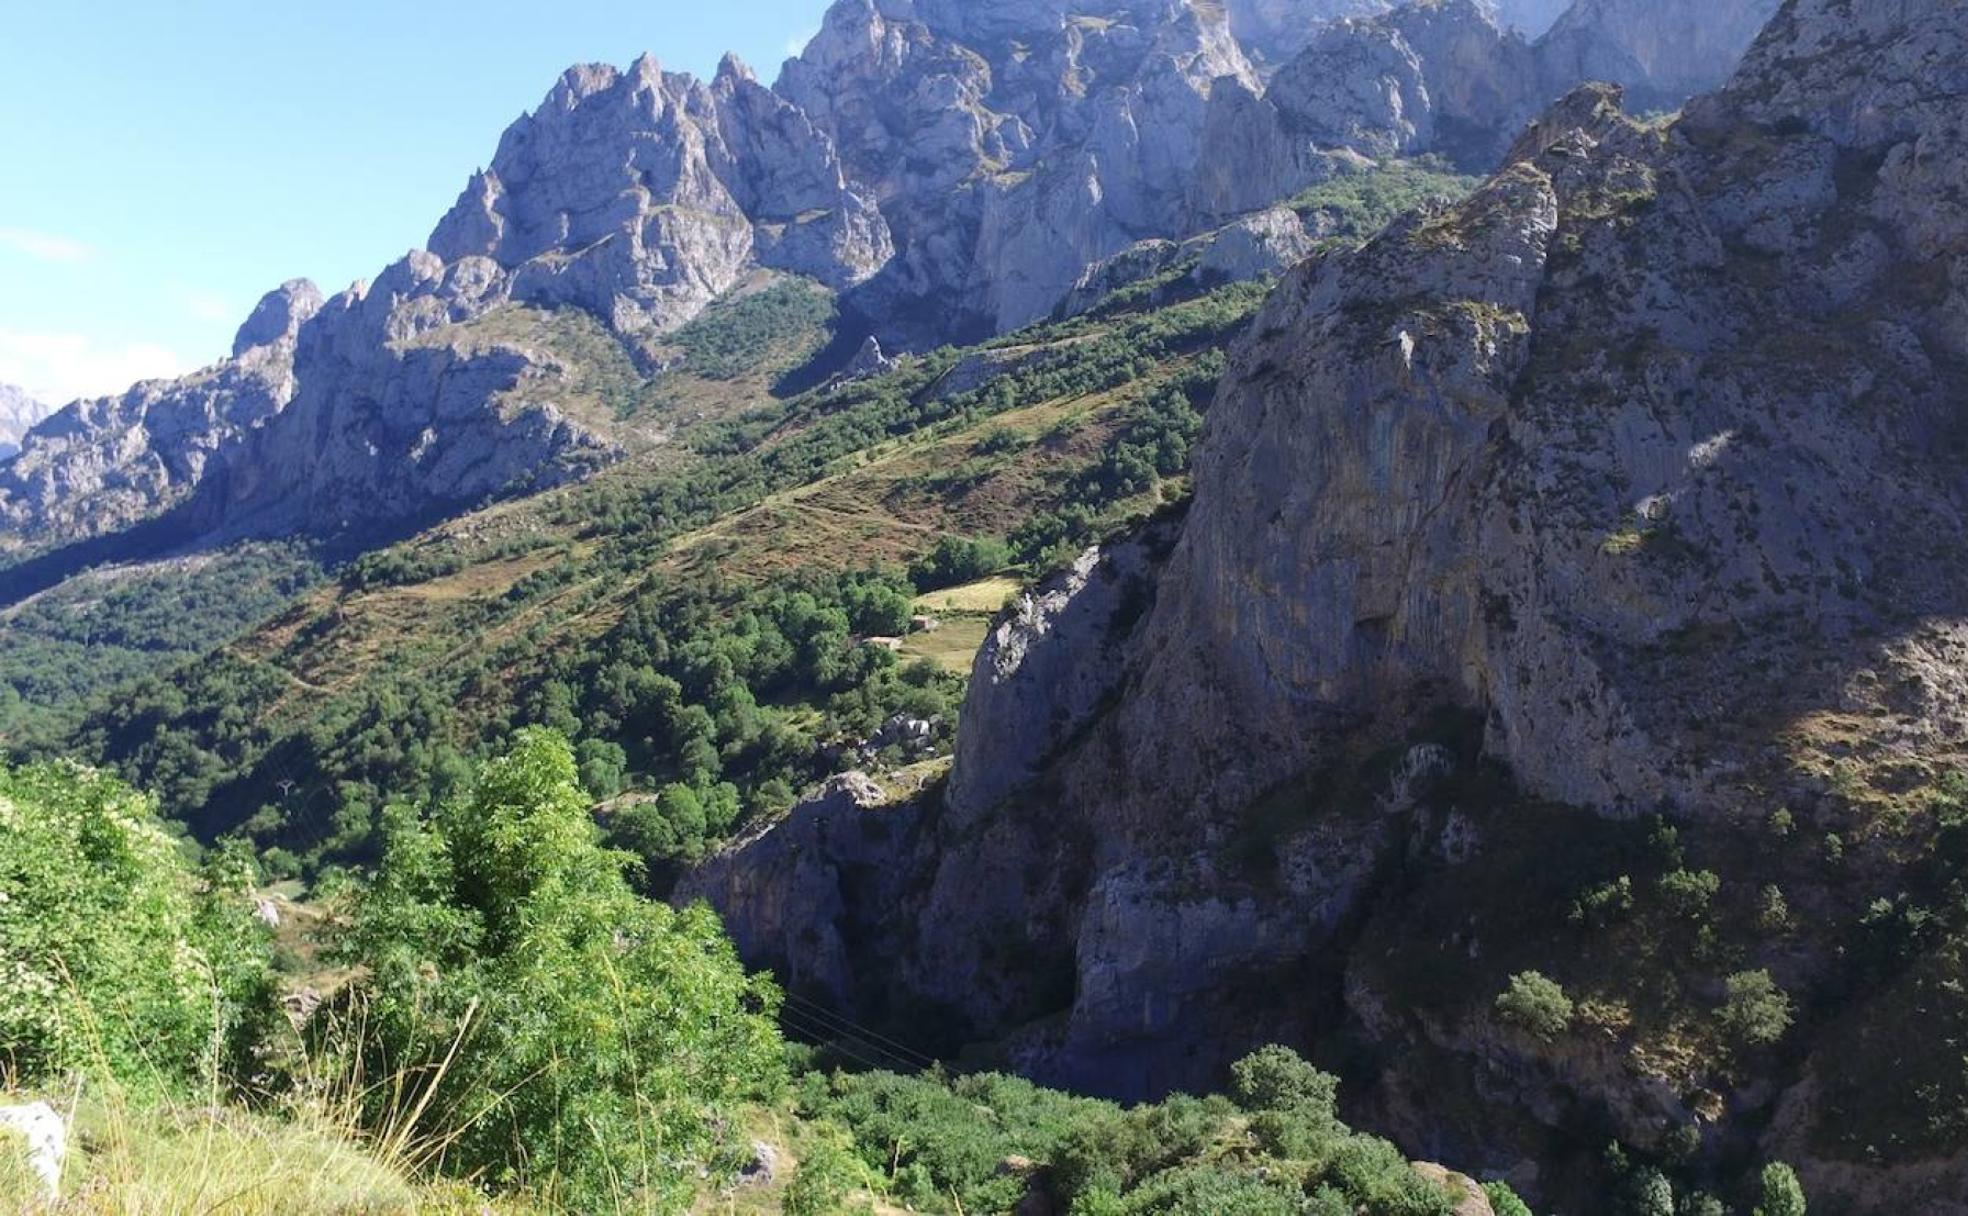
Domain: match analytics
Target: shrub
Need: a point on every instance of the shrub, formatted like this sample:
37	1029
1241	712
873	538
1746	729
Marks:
1207	1191
1375	1175
1536	1005
544	1024
1688	893
1772	910
1645	1191
959	559
827	1176
1782	1194
1605	904
116	959
1755	1012
1278	1078
1504	1201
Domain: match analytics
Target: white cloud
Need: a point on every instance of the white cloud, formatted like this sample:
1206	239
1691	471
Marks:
795	45
59	367
44	246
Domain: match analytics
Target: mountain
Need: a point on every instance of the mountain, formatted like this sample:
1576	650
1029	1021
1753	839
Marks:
1515	657
1531	17
1663	51
641	196
948	171
1569	617
362	411
18	412
1272	31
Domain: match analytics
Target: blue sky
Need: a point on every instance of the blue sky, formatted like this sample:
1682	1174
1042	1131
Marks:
164	162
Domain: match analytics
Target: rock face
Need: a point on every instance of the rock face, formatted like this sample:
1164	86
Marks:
1662	51
1259	245
1048	667
1531	18
809	923
346	414
641	196
98	466
953	169
1013	144
45	1135
1275	30
18	413
1461	78
1638	463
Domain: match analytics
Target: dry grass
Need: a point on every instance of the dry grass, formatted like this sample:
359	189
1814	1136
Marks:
986	596
953	647
128	1159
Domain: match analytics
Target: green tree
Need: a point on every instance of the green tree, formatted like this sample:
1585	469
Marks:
604	766
1535	1004
114	957
1278	1078
552	1028
828	1180
1782	1194
1755	1012
1504	1201
1688	893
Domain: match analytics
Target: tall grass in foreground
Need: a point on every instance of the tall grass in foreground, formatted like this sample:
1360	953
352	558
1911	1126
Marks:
309	1150
518	1021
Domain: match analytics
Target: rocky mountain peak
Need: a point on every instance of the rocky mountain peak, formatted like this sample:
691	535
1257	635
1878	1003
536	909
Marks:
278	316
641	196
732	71
954	169
1663	51
18	414
1276	30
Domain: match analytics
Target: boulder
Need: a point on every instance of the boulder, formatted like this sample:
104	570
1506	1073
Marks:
44	1136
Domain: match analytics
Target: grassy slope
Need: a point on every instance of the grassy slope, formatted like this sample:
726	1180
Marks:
439	638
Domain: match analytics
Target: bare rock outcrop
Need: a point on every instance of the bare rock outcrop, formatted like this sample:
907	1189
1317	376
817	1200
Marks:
803	886
1640	466
1458	78
1013	145
1259	245
98	466
18	414
1660	51
1047	667
641	196
333	416
1275	30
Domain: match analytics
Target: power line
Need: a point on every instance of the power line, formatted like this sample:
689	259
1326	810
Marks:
814	1009
835	1044
829	1036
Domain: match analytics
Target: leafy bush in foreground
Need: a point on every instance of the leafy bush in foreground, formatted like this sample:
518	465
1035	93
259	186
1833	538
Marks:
533	1015
116	959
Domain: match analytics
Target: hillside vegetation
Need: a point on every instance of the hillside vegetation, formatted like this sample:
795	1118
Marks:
695	619
520	1032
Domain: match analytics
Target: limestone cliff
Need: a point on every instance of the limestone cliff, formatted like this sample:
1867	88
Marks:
641	196
330	417
97	466
1459	78
951	169
1630	487
18	413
